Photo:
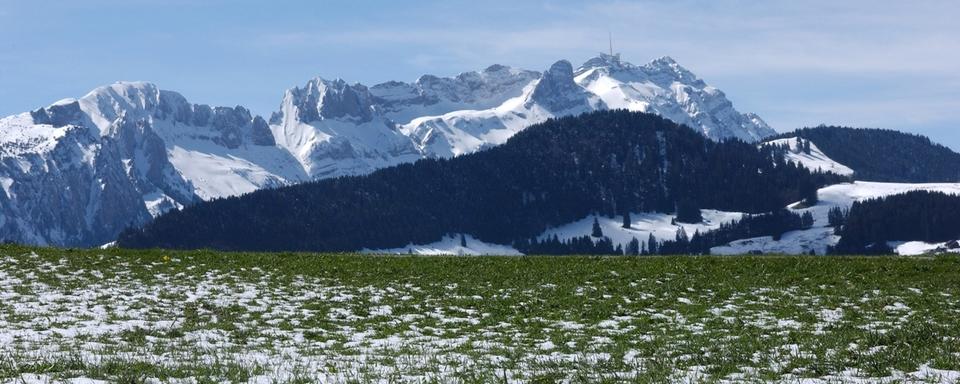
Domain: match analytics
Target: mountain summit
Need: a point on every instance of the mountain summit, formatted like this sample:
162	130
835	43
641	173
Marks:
664	87
80	170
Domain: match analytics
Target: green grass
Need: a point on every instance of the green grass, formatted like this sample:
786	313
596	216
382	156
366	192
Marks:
131	316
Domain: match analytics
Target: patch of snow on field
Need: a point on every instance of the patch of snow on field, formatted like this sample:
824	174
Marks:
29	378
289	327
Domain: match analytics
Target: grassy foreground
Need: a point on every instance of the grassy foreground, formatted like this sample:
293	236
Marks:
159	316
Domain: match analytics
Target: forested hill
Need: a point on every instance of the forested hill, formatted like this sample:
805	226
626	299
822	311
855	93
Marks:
926	216
885	155
549	174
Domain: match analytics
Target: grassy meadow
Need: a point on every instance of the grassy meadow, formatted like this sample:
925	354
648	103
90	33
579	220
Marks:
202	316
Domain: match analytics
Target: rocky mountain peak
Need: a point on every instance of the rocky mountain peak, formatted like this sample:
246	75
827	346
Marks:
556	91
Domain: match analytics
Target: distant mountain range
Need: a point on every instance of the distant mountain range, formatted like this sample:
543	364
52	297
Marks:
79	171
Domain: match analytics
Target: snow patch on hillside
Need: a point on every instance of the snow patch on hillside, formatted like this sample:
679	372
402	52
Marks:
450	245
814	160
792	243
912	248
641	226
821	235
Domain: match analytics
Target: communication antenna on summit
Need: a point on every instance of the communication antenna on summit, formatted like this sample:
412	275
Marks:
614	57
611	42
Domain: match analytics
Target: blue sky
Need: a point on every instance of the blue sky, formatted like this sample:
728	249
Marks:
857	63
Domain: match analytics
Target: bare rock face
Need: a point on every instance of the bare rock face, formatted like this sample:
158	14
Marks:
557	92
80	171
77	193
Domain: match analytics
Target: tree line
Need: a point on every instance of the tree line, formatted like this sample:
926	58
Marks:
883	154
773	224
912	216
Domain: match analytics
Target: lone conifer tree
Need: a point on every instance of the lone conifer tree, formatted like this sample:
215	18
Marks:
597	232
808	191
626	220
463	241
633	247
688	212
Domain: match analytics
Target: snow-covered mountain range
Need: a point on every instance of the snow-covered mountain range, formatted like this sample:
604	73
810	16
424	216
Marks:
334	128
80	170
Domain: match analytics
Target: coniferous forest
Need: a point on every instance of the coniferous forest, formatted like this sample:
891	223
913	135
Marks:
883	154
552	173
917	215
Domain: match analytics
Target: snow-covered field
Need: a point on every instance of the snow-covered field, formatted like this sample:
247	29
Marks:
124	316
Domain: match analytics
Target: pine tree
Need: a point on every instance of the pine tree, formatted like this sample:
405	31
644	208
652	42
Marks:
463	241
633	247
597	232
697	244
682	239
808	191
836	216
806	220
688	212
652	244
626	220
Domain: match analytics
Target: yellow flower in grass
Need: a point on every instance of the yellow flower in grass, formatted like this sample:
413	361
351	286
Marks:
166	259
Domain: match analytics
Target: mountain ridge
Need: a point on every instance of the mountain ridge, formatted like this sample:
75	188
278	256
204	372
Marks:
127	152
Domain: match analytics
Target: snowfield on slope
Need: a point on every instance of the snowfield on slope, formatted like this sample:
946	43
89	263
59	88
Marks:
642	225
450	245
815	160
661	225
910	248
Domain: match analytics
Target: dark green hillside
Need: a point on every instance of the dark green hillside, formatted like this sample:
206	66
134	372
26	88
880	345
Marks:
885	155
